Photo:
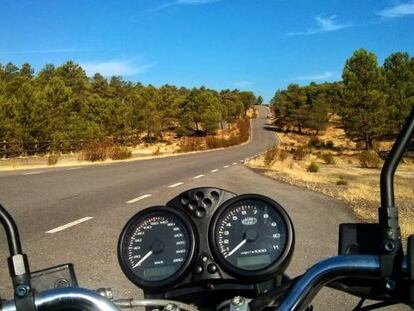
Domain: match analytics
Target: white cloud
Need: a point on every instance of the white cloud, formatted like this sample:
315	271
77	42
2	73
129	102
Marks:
323	24
115	68
47	51
317	77
243	83
398	10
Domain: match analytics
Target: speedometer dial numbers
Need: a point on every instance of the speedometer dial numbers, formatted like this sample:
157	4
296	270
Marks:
247	238
156	247
251	236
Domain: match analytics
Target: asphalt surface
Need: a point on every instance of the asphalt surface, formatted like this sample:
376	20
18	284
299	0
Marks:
76	214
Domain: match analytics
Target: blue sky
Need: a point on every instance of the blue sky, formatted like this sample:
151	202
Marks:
258	45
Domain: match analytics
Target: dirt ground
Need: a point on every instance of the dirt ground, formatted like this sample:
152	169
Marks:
344	179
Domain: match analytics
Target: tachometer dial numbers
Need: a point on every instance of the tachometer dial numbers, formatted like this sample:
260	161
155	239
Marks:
251	236
156	247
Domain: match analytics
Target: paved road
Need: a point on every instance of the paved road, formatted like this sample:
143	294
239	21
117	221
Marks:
76	214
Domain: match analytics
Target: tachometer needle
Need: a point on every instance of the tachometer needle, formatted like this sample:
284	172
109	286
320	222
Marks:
142	259
236	248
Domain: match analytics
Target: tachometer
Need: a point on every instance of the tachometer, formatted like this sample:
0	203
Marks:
251	237
156	246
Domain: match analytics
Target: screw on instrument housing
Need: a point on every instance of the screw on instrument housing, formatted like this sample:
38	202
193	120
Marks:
390	284
389	246
170	307
237	301
22	290
62	283
389	232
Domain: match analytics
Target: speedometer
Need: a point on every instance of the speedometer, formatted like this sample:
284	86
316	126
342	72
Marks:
251	237
156	247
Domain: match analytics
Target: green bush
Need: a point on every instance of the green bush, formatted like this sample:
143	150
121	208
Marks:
369	159
313	167
328	158
120	153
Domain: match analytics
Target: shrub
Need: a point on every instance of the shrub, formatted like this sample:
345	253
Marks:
120	153
188	144
275	154
283	154
270	156
313	167
157	151
300	153
95	152
369	159
341	181
328	158
52	159
244	129
150	139
360	144
315	142
214	142
376	145
330	144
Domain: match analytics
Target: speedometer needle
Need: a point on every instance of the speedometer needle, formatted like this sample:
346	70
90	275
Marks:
142	259
236	248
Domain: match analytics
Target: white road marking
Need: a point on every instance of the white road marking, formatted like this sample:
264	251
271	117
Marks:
226	166
234	163
33	173
71	224
144	196
241	161
74	168
175	185
215	170
198	176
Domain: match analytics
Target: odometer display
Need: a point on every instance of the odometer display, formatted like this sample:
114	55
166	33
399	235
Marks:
156	246
251	235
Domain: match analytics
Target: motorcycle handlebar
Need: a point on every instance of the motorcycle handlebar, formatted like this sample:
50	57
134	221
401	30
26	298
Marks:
327	271
72	298
298	297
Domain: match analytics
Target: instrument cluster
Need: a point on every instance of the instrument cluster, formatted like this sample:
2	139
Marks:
206	235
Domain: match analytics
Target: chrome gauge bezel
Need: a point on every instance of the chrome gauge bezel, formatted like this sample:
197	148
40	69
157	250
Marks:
123	242
275	268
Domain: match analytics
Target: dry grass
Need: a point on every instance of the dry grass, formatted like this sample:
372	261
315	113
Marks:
94	152
119	153
343	177
52	159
